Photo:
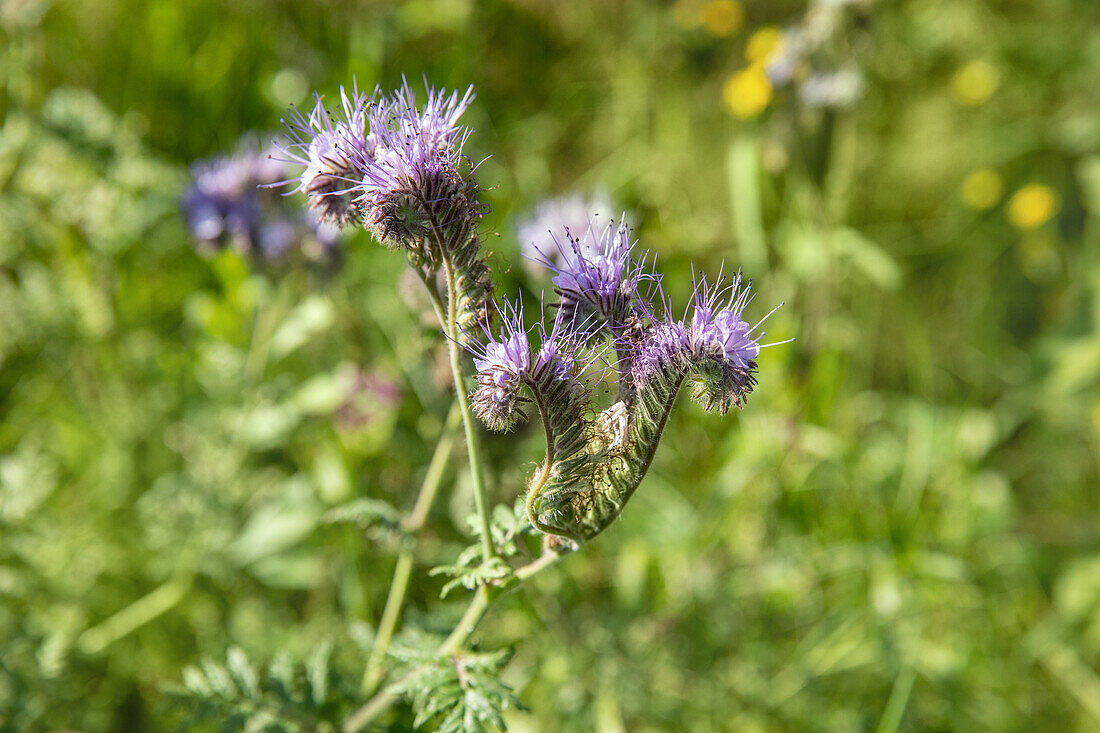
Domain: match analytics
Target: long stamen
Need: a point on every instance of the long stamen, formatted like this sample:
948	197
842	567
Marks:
773	310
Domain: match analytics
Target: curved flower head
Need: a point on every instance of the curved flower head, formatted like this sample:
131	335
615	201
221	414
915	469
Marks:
503	364
723	348
412	180
597	279
716	328
331	146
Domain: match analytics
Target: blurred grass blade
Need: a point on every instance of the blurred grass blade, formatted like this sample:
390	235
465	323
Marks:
743	169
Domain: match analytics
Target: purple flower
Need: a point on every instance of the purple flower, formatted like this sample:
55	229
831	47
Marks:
712	342
220	203
413	145
722	347
503	364
597	280
662	352
394	167
716	329
331	146
556	359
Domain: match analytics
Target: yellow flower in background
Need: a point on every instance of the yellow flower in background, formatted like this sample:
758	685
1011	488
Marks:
982	189
1032	206
748	92
763	44
975	83
688	13
722	17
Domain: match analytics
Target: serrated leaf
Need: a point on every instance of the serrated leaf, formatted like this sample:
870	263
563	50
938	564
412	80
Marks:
469	575
242	673
462	693
317	671
286	697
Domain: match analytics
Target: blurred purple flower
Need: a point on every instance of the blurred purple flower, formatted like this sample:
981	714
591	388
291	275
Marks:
574	213
228	204
369	395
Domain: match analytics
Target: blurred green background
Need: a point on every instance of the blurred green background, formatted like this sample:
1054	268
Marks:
899	532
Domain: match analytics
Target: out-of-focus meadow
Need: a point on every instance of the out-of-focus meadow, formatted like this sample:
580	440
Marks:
899	532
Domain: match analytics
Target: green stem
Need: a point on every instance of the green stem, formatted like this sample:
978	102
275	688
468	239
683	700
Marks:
473	448
137	614
434	477
483	599
391	614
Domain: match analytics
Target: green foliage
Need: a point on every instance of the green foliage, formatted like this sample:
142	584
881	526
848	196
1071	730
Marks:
470	570
284	698
380	520
897	533
458	694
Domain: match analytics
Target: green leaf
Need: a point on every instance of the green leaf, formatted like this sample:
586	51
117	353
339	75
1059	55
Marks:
463	693
468	574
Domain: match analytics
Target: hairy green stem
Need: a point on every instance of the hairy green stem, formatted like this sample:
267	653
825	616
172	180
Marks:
539	480
391	614
473	447
481	603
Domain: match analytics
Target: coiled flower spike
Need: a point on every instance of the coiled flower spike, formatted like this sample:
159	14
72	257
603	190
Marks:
714	346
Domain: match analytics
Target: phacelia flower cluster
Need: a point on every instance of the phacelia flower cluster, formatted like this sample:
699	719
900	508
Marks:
397	169
227	204
596	458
